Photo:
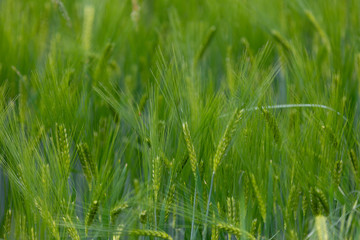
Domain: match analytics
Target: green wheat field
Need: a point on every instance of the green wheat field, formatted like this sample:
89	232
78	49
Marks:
180	119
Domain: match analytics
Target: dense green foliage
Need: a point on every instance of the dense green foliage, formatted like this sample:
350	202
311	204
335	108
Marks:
179	119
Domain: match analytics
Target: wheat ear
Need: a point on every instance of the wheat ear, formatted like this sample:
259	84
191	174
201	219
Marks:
70	228
63	144
91	215
150	233
258	196
234	230
321	229
190	148
89	13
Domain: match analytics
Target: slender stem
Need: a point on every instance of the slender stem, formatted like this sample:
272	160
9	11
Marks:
208	205
155	216
193	217
302	105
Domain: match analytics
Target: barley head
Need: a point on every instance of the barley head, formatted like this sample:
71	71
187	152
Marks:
190	148
228	135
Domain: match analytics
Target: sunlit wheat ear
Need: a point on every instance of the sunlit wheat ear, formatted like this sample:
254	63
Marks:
86	155
150	233
337	172
321	32
91	215
271	121
83	157
47	217
228	135
258	197
63	144
190	148
115	211
7	224
70	228
292	203
234	230
281	40
156	176
89	13
321	229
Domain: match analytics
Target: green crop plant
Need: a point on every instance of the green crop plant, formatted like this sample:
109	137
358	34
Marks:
142	119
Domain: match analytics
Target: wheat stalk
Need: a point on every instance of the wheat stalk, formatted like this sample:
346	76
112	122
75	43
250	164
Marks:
156	176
